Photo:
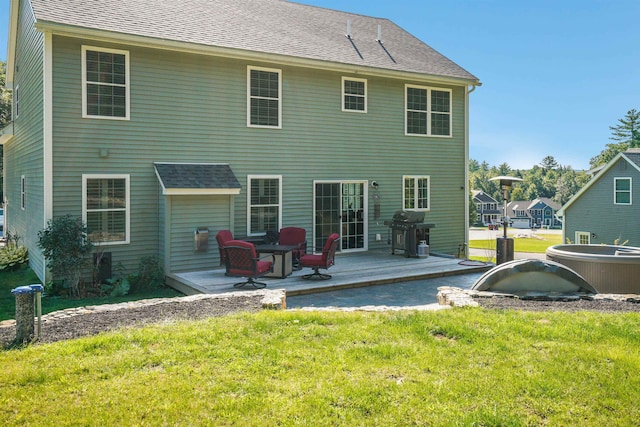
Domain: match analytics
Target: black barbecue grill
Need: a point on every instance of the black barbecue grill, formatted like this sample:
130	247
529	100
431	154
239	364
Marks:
407	230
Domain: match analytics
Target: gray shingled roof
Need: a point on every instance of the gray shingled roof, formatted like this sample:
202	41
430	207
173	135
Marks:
267	26
483	197
201	176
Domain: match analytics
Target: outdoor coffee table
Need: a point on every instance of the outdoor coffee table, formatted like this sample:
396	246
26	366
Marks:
283	262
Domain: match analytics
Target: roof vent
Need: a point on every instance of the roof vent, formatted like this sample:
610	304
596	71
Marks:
379	39
348	29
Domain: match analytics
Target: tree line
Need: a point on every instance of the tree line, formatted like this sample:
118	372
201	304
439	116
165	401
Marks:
549	178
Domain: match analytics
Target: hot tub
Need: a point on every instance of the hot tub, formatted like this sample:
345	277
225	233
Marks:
608	268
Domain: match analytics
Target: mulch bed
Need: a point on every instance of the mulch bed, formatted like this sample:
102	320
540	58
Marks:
95	323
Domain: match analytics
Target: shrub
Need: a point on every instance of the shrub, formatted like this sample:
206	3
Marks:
13	256
150	275
65	245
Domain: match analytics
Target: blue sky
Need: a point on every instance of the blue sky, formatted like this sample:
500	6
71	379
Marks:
556	73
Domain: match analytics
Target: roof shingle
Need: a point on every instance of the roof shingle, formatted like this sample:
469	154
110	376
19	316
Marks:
266	26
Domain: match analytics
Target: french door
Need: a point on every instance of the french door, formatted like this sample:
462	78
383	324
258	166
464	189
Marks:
340	207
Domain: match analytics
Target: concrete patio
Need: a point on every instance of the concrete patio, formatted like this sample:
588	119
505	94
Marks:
350	271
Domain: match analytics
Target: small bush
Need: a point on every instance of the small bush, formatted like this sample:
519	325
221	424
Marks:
13	256
65	245
150	275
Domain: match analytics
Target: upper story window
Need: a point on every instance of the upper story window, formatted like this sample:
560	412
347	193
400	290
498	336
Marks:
16	102
105	83
265	203
354	94
264	90
105	208
416	194
428	111
622	191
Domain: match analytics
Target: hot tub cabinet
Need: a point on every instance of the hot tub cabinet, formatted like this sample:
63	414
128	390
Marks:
610	269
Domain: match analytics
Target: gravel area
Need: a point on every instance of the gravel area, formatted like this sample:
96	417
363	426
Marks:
605	306
93	323
96	322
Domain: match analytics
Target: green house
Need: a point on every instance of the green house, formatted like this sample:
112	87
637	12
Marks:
161	122
606	210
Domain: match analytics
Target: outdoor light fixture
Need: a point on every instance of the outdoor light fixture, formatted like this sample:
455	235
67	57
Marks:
504	245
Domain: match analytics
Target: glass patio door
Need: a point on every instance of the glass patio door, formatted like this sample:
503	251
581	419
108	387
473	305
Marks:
340	207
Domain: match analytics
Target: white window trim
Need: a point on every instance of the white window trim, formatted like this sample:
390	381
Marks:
615	190
344	94
580	234
126	177
271	70
23	192
16	102
415	196
428	111
85	48
250	178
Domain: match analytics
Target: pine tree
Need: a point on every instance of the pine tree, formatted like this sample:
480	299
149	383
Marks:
628	129
626	135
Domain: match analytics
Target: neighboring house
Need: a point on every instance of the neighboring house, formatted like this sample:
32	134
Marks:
538	213
606	209
543	213
154	119
487	208
518	214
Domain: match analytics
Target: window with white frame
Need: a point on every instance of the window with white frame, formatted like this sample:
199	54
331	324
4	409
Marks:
265	203
354	94
105	208
23	192
416	194
16	102
264	90
427	111
583	237
622	191
105	83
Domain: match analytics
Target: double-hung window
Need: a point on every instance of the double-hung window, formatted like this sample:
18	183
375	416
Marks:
583	238
622	191
354	95
23	192
265	204
427	111
16	102
264	89
105	208
416	194
105	83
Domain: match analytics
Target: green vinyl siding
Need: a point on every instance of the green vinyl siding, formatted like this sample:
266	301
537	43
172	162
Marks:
187	214
595	211
192	108
23	155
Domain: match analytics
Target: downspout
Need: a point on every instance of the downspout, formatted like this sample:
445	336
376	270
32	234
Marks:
466	166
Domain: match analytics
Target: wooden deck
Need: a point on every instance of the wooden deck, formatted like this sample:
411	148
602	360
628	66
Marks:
350	271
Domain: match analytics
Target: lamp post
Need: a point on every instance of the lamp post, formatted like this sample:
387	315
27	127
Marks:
504	244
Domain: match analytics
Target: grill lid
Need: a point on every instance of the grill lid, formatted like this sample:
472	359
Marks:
408	217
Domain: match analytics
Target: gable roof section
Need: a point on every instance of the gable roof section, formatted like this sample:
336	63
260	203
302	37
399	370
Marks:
545	201
483	197
196	179
251	28
631	156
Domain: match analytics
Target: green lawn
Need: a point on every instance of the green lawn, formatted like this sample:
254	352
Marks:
26	276
524	244
460	367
